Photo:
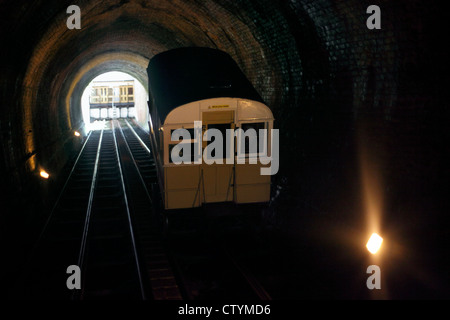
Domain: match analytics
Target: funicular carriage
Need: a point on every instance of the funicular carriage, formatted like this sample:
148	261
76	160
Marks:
192	85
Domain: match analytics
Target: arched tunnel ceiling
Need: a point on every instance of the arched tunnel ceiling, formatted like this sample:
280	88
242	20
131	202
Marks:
136	28
123	35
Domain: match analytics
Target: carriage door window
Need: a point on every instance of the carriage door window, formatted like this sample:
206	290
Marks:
252	139
222	127
218	179
221	121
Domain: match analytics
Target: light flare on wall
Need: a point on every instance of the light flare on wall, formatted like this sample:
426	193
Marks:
44	174
374	243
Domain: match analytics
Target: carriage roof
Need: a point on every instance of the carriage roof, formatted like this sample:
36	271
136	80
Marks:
184	75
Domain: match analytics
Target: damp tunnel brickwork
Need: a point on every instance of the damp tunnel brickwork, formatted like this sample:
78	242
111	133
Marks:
315	63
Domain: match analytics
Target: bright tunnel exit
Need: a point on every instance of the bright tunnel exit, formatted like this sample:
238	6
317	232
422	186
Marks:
114	95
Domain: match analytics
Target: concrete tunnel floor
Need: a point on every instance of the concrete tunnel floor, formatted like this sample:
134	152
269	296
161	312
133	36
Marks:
363	118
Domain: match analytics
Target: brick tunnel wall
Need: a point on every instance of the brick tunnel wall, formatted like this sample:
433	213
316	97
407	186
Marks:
327	78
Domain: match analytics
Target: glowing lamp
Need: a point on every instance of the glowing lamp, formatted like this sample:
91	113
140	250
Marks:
77	134
44	174
374	243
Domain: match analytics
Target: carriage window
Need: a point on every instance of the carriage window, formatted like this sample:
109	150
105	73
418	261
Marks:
245	148
192	146
190	130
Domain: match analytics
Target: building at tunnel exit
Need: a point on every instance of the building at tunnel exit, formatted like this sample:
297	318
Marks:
111	100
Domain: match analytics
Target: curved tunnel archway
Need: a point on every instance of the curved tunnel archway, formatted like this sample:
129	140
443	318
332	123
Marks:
321	71
123	35
115	37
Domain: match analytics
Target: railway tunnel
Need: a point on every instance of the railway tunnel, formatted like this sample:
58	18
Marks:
346	100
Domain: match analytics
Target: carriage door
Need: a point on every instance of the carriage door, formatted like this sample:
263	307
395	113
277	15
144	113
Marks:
218	179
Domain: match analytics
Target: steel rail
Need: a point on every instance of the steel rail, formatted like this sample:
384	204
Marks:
62	191
55	205
156	156
89	208
137	136
128	213
135	163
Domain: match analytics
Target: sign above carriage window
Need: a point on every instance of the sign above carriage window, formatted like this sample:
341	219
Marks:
219	106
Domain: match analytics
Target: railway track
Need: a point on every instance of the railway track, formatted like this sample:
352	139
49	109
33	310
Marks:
108	256
106	221
102	223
